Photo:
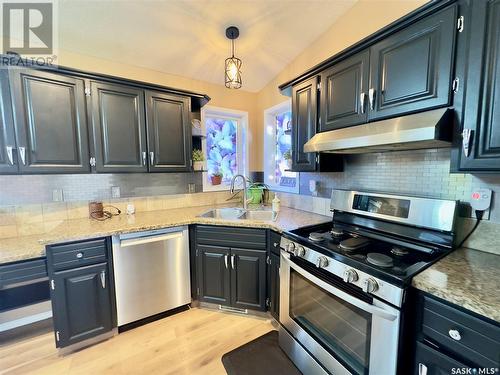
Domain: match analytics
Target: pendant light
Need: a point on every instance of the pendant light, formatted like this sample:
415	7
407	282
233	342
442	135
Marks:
233	64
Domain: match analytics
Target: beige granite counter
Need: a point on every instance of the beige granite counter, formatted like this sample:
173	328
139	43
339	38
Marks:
33	246
468	278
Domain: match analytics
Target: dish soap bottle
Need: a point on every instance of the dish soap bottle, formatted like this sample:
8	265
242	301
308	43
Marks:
276	203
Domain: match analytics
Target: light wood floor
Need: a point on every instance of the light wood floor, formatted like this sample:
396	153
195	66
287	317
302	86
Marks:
191	342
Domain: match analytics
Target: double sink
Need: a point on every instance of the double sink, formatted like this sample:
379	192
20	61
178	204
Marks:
235	213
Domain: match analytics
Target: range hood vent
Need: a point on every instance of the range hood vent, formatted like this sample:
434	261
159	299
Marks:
429	129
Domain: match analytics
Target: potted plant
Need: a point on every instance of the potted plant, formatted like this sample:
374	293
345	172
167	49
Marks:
258	192
216	178
198	159
287	155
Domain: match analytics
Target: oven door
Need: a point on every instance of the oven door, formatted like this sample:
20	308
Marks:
347	333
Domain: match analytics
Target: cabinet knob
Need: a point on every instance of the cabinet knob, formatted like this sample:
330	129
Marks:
79	255
455	334
422	369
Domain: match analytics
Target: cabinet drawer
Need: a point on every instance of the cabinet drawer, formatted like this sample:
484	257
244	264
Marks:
461	333
248	238
434	362
77	254
22	272
274	242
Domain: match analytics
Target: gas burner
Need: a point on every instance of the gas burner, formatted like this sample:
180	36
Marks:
336	232
317	236
399	251
353	244
380	260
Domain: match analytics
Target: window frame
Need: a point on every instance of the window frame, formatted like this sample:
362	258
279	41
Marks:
241	141
270	146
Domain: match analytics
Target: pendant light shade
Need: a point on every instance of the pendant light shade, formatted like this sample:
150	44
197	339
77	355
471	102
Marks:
233	64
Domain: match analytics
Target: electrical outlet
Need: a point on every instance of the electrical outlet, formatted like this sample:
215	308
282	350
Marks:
57	195
481	199
115	192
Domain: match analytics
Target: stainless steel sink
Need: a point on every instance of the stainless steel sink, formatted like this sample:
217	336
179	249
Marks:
229	213
260	215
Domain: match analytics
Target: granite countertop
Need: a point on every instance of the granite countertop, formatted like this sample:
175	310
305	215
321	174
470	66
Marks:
468	278
28	247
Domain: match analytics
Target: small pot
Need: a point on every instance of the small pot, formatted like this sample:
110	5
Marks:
216	180
198	165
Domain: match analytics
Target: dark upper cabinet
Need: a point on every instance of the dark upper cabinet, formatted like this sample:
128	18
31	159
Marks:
213	274
481	114
50	120
273	285
81	302
304	123
248	279
8	156
344	92
119	128
169	132
411	70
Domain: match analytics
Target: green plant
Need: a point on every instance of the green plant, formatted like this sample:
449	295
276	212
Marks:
287	155
217	174
198	155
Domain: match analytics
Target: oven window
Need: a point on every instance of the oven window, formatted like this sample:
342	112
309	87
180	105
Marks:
341	328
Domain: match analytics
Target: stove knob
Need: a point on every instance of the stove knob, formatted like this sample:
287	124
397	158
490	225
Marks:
350	276
322	262
370	285
290	247
299	251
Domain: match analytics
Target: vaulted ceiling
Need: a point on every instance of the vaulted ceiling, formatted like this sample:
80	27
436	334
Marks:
187	37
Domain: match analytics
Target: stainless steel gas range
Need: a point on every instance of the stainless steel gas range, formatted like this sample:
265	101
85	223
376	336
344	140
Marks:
343	283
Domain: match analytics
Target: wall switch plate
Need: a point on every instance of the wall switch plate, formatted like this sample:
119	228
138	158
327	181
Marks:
481	199
57	195
115	192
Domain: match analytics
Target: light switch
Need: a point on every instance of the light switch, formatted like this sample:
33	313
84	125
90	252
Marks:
115	192
57	195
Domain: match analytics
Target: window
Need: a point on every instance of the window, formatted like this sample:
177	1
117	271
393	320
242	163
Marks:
224	146
277	149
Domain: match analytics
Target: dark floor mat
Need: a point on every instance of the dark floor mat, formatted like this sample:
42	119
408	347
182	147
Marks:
261	356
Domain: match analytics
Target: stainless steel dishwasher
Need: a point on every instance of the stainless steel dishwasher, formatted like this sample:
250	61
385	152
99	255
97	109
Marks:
151	273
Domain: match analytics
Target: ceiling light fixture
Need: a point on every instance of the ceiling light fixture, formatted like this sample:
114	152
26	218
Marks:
233	64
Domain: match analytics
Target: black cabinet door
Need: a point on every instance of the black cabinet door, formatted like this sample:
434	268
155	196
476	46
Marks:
81	303
8	157
213	274
169	132
431	362
482	102
344	92
119	128
412	69
273	285
51	123
248	279
304	123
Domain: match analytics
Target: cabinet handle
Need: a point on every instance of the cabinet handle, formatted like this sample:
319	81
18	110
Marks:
422	369
362	98
79	255
103	279
275	244
371	98
9	154
232	262
144	156
455	334
225	260
467	141
22	154
152	157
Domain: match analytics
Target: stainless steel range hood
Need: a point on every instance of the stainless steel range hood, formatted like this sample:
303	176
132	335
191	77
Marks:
429	129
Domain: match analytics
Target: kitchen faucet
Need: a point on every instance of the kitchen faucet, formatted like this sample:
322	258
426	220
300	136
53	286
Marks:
245	200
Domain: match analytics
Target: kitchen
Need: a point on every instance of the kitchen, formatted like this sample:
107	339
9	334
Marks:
240	193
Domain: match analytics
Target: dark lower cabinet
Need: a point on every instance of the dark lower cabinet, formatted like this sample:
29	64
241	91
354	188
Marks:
81	303
411	70
431	362
119	128
50	121
82	290
248	279
273	285
213	274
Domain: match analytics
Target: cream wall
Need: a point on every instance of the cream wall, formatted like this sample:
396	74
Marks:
363	19
220	95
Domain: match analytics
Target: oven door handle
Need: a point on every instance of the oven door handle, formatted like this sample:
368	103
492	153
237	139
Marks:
341	294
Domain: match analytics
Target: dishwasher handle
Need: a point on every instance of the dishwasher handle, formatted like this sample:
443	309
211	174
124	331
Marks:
149	239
